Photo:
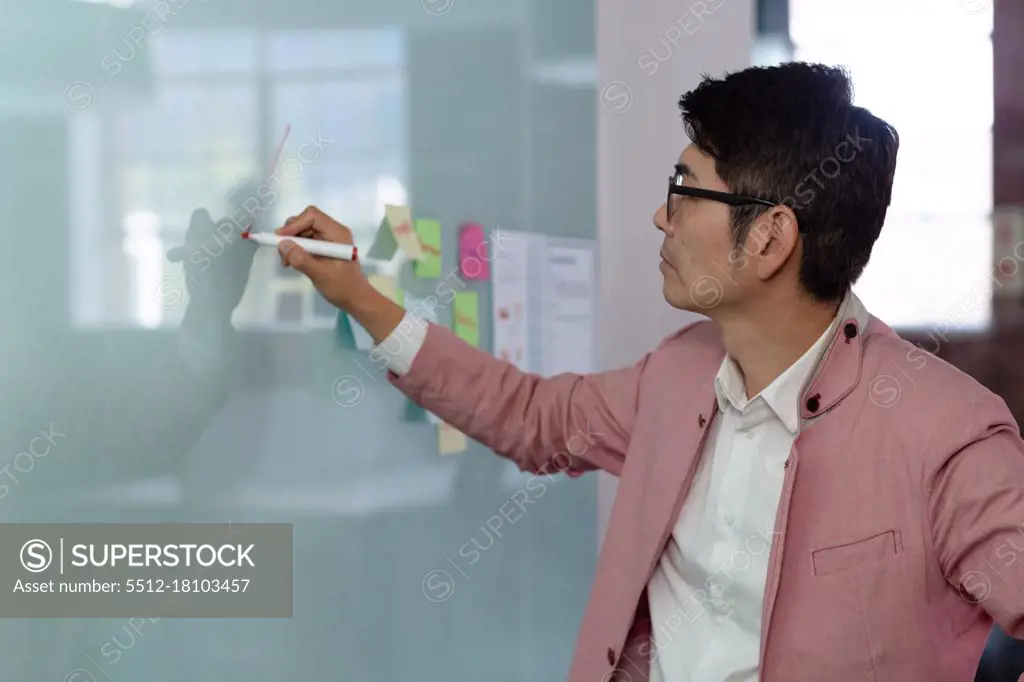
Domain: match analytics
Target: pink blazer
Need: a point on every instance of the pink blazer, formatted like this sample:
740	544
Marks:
899	536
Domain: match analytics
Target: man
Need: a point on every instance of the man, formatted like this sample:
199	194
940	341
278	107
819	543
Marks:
804	496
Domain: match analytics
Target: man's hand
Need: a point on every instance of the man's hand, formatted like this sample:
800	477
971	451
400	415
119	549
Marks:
339	281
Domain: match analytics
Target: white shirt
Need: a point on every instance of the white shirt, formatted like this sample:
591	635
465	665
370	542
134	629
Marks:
707	590
402	345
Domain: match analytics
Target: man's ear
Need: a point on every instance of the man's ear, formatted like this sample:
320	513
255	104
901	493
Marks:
773	239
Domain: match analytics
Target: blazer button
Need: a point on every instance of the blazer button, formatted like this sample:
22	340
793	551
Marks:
812	403
611	656
701	421
850	330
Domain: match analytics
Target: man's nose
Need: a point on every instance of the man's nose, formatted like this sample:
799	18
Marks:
660	220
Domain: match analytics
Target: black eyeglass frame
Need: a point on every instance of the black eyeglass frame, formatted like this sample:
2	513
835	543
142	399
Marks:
676	186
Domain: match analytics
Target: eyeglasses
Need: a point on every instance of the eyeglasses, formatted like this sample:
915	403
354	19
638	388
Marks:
677	190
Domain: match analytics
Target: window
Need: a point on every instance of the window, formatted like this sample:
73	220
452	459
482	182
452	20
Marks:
219	104
927	69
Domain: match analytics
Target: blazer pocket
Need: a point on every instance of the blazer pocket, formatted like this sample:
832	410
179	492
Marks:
854	554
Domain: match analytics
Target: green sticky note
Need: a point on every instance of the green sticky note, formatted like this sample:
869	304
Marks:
363	340
429	232
344	335
413	412
467	317
384	243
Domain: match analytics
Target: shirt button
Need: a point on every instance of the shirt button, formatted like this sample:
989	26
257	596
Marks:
730	520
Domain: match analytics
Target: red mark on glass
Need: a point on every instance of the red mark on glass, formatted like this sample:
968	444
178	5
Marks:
277	154
270	171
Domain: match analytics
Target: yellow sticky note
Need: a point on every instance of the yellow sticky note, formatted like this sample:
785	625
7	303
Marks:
450	440
466	317
396	232
429	232
386	285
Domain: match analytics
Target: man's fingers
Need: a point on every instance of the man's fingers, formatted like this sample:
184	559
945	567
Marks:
309	232
298	223
329	230
321	224
298	258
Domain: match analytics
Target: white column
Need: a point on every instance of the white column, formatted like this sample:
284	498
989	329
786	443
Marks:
648	54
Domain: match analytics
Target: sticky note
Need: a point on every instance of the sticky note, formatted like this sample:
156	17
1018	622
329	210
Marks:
396	232
473	258
421	308
467	317
363	339
429	233
344	332
386	285
450	440
415	413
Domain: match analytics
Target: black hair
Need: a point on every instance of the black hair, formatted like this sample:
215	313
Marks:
791	134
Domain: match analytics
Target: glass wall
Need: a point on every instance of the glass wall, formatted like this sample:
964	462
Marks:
176	391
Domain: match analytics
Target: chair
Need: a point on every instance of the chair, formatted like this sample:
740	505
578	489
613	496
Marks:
1002	660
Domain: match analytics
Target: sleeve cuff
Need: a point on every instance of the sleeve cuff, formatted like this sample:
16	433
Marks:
400	348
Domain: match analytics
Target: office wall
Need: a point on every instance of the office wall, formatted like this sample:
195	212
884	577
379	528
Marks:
648	54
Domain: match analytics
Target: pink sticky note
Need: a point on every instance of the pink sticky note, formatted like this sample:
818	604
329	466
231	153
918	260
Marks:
473	258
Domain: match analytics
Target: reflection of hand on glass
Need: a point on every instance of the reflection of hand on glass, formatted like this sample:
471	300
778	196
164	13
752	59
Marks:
216	261
124	404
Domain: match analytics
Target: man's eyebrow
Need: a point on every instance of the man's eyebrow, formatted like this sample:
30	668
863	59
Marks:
686	172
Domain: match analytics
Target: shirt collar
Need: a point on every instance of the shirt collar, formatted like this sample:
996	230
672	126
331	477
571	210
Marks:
783	394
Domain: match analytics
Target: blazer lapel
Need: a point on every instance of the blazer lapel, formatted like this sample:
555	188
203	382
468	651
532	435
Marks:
671	470
836	372
771	586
